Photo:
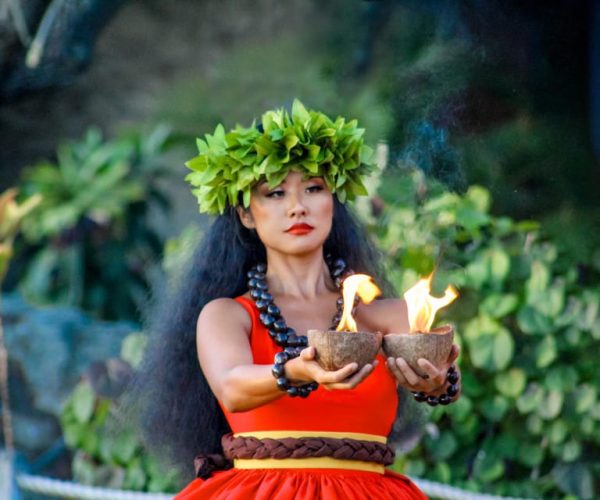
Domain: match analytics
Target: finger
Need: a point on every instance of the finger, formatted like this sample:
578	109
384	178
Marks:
391	363
409	374
327	377
308	353
359	376
454	352
356	379
437	377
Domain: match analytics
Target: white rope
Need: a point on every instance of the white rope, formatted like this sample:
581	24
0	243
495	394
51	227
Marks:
439	490
66	489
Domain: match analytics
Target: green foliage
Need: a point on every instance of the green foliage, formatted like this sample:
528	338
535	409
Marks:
528	421
91	244
306	141
108	451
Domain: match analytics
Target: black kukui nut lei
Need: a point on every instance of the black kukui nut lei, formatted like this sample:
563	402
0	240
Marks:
292	343
453	379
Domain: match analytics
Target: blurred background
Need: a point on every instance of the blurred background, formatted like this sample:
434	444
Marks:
486	118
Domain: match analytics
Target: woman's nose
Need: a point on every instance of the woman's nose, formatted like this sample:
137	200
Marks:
296	207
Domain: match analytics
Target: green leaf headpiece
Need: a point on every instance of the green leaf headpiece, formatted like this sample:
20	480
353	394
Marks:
230	164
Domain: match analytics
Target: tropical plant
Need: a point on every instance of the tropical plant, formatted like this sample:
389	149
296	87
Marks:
92	243
528	421
107	450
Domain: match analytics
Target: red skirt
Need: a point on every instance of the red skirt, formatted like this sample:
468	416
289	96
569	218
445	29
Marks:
302	484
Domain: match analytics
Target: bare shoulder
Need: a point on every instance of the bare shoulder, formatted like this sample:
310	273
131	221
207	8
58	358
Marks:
384	315
224	313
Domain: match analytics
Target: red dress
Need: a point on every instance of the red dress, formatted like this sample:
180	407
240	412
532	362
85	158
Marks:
366	412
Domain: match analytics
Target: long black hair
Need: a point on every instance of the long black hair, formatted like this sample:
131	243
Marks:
179	414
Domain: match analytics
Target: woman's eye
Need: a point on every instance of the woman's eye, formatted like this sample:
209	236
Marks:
314	189
275	194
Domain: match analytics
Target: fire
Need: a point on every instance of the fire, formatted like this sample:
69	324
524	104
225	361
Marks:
362	285
422	307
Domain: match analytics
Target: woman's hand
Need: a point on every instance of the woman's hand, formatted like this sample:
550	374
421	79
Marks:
304	369
434	384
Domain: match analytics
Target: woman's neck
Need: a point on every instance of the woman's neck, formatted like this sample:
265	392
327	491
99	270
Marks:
303	277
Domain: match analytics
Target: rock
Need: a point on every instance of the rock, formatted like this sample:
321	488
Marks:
49	349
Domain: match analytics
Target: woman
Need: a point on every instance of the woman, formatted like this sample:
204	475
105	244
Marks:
266	273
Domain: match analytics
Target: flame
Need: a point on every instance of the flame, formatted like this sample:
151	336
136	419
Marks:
422	307
362	285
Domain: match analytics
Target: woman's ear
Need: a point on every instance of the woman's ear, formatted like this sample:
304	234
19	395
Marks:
245	217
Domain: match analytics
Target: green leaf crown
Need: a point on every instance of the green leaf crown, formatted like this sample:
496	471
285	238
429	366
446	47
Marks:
230	164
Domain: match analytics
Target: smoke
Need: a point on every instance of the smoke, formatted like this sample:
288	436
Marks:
428	149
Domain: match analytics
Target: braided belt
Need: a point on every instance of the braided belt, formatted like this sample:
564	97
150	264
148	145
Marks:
247	449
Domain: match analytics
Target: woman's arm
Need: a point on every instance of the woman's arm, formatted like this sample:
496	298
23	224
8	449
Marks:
225	355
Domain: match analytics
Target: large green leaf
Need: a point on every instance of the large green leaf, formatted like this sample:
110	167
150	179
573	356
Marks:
511	383
499	305
531	321
490	344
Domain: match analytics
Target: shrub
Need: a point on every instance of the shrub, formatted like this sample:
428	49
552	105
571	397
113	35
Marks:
107	451
528	421
92	244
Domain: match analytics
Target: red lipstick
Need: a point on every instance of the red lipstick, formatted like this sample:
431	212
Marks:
299	229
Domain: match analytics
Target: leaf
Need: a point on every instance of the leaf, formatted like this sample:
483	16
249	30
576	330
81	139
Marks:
534	425
585	395
551	405
530	455
487	467
494	408
538	281
499	305
531	321
299	112
500	264
571	450
563	378
531	398
480	197
82	401
470	218
132	348
545	352
125	447
442	473
575	479
462	408
491	345
558	432
443	447
511	383
135	476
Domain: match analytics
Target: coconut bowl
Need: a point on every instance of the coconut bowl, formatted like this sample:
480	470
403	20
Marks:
336	349
434	346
